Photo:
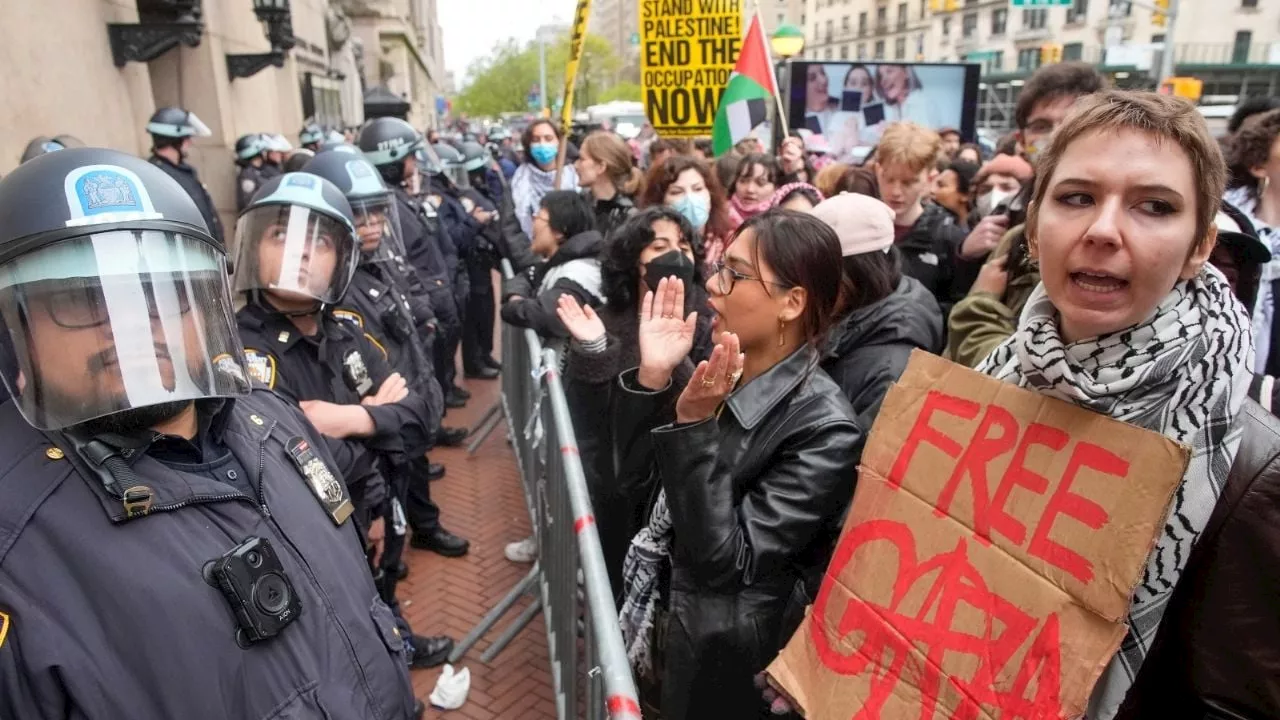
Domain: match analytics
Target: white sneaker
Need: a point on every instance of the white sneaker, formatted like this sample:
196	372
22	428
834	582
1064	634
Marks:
524	551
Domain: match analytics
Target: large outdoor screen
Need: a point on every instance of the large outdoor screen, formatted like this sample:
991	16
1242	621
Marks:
850	103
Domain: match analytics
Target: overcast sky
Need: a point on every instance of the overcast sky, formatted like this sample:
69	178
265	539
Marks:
472	27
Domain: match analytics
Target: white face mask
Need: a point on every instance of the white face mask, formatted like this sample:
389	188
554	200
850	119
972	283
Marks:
992	200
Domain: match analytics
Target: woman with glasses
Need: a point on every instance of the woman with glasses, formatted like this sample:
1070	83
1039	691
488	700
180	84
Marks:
752	473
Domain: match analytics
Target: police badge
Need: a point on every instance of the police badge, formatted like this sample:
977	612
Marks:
330	491
357	373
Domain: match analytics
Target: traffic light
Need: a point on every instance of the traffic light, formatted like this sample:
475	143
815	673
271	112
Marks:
1160	15
1050	53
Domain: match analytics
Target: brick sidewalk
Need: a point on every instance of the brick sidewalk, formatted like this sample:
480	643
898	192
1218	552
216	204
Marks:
480	499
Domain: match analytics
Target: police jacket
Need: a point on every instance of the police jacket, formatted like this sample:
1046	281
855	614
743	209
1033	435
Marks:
460	228
248	180
186	177
382	311
400	274
104	612
490	235
340	365
421	231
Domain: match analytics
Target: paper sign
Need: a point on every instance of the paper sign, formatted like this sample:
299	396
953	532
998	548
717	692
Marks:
986	565
687	50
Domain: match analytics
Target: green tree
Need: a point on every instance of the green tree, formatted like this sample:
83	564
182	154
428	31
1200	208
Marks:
500	82
623	91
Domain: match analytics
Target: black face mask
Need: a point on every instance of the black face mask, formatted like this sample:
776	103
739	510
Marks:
669	264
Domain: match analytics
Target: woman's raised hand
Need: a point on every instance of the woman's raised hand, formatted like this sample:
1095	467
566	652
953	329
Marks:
665	337
580	320
712	381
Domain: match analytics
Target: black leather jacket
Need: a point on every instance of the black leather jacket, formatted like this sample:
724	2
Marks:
756	498
1217	654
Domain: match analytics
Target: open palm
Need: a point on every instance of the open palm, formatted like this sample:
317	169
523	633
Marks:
580	320
665	337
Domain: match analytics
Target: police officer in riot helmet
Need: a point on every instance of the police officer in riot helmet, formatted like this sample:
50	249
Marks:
172	130
484	193
311	137
398	151
157	513
298	159
251	156
378	301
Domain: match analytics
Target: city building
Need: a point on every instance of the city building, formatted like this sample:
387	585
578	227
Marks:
98	69
618	22
776	13
1231	46
404	52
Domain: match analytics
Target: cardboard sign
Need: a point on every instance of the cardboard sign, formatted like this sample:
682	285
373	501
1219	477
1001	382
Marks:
986	565
687	50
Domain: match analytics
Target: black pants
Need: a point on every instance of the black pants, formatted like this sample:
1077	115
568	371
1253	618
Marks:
477	331
423	514
449	331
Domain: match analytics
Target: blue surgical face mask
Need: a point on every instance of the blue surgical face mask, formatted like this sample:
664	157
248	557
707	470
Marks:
544	153
695	208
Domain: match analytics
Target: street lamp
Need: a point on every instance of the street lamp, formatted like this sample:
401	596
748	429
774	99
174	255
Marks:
787	41
268	10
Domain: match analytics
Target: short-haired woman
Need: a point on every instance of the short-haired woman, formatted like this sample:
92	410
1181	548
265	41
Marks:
564	235
752	470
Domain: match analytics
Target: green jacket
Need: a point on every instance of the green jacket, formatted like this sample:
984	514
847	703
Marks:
981	321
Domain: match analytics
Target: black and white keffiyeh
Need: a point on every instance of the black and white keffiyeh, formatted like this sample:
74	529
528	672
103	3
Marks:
647	561
1184	372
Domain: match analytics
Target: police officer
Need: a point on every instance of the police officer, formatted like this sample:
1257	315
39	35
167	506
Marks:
171	131
278	150
173	543
311	137
297	255
484	191
251	152
377	304
394	147
463	226
39	146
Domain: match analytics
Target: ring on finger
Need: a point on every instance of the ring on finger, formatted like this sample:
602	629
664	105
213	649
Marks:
708	381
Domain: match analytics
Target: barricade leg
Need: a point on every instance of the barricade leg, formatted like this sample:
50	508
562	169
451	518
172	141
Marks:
492	617
523	619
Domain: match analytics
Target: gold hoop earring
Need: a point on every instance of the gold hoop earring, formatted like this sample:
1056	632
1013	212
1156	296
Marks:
782	332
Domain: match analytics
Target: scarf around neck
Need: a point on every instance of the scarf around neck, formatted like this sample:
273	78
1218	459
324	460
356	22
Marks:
1183	372
528	186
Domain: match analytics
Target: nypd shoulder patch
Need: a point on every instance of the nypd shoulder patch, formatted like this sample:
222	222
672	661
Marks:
350	316
4	628
261	367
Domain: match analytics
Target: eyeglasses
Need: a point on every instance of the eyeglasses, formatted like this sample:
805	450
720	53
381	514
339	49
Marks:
726	277
86	307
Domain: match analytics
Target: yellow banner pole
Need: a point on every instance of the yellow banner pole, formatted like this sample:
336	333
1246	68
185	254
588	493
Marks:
576	44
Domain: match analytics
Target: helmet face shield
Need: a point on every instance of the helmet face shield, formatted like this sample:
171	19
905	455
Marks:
294	252
458	174
377	228
114	321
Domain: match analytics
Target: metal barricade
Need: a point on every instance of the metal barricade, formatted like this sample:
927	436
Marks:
588	660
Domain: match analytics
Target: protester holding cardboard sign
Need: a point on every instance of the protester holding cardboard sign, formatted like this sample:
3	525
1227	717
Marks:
1129	323
751	478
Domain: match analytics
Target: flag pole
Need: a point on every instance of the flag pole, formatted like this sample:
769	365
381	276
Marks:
768	51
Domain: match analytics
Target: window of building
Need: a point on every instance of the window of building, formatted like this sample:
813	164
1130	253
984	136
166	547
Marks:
1077	12
844	24
879	50
970	26
862	23
1029	58
1248	3
882	19
830	26
946	26
999	19
782	18
1074	51
844	52
900	48
862	51
1035	19
826	53
996	63
924	9
1240	50
902	16
1125	7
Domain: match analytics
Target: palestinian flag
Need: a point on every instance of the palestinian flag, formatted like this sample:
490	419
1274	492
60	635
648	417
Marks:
745	102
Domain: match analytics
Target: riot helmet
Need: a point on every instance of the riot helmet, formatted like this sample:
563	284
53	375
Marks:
68	141
453	165
388	142
296	242
39	146
475	157
113	294
311	137
249	147
174	122
372	204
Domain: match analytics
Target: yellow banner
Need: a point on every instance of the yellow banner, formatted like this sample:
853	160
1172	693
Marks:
575	58
687	50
